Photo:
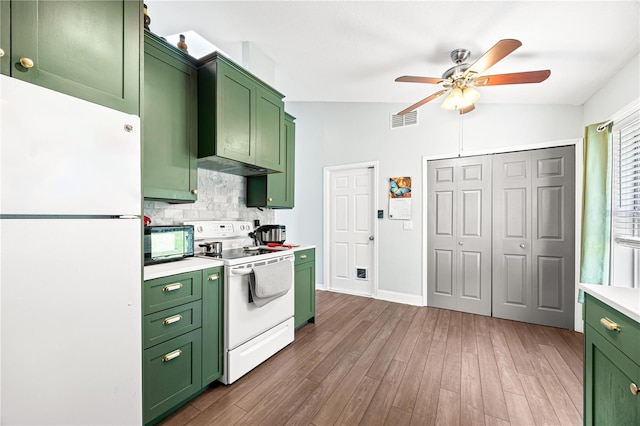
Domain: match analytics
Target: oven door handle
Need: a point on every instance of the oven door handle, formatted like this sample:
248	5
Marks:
243	271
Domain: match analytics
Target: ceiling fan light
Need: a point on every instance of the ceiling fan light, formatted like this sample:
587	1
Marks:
454	100
470	96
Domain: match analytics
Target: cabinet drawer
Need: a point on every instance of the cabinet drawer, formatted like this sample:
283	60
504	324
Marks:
627	338
308	255
166	292
172	373
170	323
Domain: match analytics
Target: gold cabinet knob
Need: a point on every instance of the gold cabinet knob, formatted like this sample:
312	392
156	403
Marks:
26	62
634	388
1	53
270	199
609	325
194	191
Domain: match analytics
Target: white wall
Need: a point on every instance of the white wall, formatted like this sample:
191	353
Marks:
340	133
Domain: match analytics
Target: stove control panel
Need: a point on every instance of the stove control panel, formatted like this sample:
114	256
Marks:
208	229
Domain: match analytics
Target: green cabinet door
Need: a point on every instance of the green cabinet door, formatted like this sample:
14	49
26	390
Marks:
169	123
86	49
608	376
235	120
270	134
5	40
276	190
305	287
171	373
212	317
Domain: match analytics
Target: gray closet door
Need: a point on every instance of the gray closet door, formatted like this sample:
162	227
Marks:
533	236
459	230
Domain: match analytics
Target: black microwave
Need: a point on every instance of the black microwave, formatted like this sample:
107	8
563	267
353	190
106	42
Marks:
167	243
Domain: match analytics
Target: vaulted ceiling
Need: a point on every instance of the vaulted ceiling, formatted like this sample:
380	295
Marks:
351	51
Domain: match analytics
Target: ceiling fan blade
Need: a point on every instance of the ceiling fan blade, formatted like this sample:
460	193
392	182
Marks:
467	109
493	55
416	79
513	78
422	102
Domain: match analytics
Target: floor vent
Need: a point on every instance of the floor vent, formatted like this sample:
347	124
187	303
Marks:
408	119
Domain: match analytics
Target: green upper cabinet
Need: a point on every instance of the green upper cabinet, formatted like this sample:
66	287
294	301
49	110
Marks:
169	123
86	49
240	120
276	190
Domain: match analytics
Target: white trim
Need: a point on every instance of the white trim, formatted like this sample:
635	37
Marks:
579	148
326	214
392	296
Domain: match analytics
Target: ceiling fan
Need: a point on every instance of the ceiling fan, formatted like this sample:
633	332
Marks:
461	79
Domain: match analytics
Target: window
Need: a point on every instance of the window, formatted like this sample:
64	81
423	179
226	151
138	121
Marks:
626	178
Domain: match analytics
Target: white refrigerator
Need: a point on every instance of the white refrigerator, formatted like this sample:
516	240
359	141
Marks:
70	260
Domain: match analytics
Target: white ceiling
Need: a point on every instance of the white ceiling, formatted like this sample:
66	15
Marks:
351	51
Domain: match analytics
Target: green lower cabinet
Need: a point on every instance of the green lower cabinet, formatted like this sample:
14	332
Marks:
611	373
305	287
172	372
212	320
182	339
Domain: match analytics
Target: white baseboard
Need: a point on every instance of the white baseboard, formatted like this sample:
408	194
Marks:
392	296
389	296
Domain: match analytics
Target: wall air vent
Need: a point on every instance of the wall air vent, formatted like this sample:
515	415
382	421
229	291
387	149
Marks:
408	119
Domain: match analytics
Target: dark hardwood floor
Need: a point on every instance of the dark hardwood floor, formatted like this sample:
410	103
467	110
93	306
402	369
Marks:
371	362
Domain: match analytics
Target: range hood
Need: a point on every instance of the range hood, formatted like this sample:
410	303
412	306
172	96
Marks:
233	167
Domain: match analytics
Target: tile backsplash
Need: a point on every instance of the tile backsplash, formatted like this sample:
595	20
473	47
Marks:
221	196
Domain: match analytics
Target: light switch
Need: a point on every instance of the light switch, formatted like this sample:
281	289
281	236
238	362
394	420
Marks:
407	224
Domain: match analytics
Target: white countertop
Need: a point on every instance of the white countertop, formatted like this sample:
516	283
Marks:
189	264
622	299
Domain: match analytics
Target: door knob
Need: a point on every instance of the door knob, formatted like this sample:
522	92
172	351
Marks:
459	243
521	245
371	238
634	388
1	53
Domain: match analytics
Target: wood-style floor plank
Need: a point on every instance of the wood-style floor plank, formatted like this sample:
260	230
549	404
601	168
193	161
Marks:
371	362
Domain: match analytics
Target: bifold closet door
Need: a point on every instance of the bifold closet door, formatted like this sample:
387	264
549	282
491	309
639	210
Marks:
533	236
459	234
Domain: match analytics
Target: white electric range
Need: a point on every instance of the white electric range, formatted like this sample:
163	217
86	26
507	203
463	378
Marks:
252	333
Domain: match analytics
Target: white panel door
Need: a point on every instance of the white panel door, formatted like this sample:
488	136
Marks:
351	230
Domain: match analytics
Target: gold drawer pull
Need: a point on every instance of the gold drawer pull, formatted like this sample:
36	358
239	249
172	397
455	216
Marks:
634	388
213	277
172	355
303	256
172	319
26	62
172	287
609	325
